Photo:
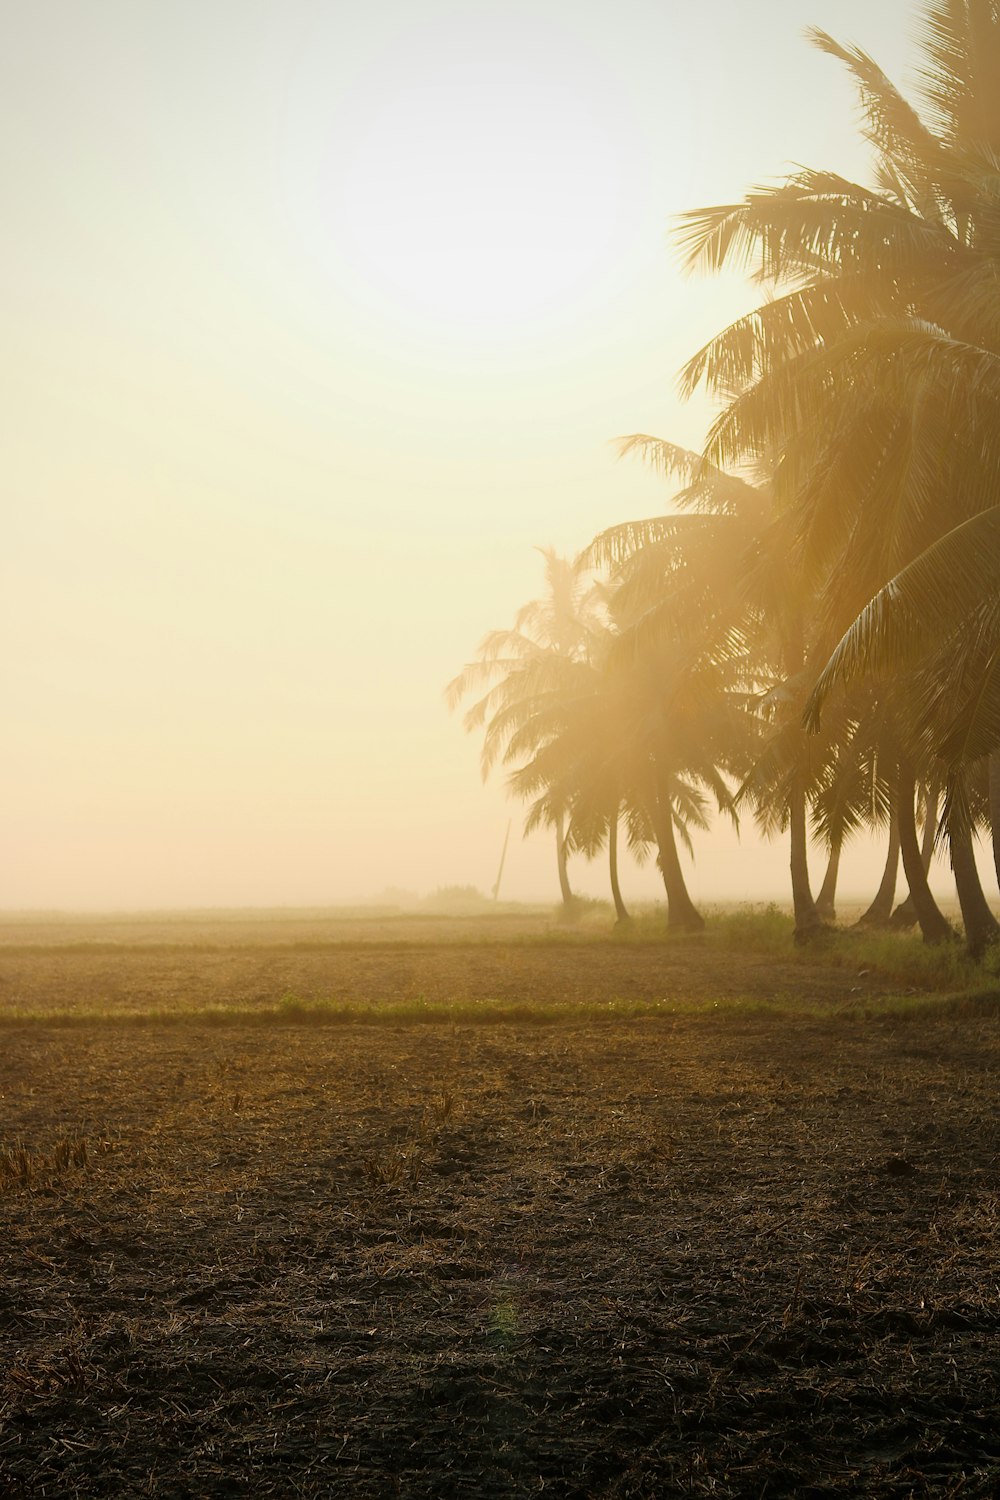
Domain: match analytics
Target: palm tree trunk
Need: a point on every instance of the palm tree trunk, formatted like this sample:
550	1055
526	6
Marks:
981	927
905	915
567	894
994	774
934	927
880	911
807	918
826	901
621	911
681	910
930	827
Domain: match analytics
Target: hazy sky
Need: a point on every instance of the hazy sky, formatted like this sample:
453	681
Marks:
318	318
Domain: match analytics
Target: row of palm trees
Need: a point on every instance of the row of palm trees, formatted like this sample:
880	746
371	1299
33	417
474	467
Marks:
814	632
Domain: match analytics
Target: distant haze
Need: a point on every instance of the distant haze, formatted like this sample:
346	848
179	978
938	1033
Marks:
318	319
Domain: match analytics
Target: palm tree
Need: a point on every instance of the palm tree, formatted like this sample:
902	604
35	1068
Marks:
942	615
678	664
888	342
566	766
580	765
944	607
883	339
741	594
875	370
524	671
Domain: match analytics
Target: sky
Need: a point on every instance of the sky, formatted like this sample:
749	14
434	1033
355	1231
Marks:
320	319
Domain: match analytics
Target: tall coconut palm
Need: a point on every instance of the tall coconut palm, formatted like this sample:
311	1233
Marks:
567	763
691	584
523	669
579	762
637	733
942	615
883	340
741	593
874	371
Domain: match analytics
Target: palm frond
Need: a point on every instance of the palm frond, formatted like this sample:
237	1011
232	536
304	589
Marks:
929	599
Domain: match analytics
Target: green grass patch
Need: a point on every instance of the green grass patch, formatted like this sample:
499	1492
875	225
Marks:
291	1011
900	957
755	929
905	957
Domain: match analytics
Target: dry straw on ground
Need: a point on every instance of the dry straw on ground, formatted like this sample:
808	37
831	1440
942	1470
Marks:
717	1254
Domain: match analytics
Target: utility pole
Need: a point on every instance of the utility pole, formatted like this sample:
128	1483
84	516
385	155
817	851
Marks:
503	856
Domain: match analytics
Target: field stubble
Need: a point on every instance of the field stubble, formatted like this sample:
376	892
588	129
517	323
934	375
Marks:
714	1254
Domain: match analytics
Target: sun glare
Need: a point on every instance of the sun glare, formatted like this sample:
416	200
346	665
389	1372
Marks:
480	194
485	208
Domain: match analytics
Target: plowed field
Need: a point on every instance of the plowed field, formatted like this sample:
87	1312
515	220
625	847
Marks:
716	1254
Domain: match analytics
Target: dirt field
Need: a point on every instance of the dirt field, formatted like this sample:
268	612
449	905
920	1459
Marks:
716	1255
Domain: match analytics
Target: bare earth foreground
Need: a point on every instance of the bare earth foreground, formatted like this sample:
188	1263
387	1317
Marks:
718	1253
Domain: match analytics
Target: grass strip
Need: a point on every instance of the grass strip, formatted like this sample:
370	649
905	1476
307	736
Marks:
291	1011
104	947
